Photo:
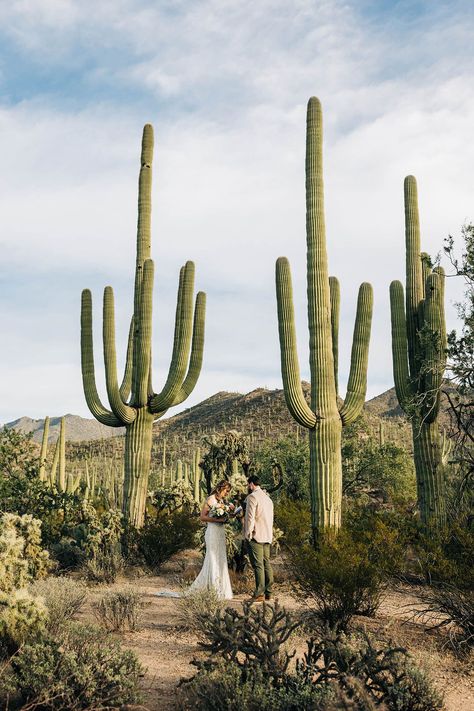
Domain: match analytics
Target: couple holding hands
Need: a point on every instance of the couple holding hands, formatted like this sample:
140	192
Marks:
257	532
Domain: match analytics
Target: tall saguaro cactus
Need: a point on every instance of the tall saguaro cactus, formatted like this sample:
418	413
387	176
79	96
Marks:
419	360
134	404
324	418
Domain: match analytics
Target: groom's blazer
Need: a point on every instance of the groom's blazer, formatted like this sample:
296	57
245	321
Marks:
258	522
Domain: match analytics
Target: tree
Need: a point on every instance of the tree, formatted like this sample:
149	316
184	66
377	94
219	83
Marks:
461	370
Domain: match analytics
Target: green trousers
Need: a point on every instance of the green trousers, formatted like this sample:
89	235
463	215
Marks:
259	554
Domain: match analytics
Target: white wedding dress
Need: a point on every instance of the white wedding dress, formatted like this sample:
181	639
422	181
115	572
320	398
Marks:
214	572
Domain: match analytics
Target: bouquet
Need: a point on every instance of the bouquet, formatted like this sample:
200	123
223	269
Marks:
222	509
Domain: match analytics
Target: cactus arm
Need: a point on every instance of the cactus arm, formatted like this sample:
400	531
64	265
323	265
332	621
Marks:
61	480
401	375
425	271
44	450
335	294
144	212
142	340
323	389
122	411
106	417
181	344
357	385
197	349
54	466
434	362
127	376
290	368
414	273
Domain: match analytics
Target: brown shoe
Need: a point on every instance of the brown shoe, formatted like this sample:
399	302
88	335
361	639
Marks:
259	598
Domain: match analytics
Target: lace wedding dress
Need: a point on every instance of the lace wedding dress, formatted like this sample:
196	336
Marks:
215	572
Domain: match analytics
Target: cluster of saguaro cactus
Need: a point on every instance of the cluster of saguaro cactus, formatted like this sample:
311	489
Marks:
57	474
134	404
419	360
324	418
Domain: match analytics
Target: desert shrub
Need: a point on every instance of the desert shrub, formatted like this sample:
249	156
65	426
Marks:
22	492
445	605
346	574
22	616
81	670
248	667
67	555
161	538
447	556
294	519
387	672
101	544
223	687
63	598
255	638
195	606
373	473
119	610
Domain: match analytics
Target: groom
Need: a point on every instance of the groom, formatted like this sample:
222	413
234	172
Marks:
258	533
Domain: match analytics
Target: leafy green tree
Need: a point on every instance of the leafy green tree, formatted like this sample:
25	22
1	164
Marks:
461	369
380	472
293	457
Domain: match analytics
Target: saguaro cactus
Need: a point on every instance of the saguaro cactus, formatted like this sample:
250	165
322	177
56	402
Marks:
134	404
325	417
419	360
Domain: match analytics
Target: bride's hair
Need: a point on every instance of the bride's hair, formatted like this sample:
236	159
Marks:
221	486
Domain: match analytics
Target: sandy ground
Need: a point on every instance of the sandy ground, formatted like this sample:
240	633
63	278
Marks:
166	650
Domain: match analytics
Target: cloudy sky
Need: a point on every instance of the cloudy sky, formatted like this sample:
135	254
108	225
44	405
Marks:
225	84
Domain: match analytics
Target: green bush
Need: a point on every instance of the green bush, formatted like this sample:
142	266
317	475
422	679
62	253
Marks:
294	519
101	544
347	574
22	492
119	610
293	457
223	687
63	598
161	538
447	556
195	606
387	672
81	670
248	668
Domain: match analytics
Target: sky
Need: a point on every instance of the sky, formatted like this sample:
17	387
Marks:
225	84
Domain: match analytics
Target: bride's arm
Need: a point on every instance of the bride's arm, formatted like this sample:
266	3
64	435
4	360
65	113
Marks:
208	519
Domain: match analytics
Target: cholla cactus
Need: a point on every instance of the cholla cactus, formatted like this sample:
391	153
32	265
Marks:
419	360
22	558
326	416
134	404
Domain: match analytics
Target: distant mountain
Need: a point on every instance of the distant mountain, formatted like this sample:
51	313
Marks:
260	414
384	405
78	429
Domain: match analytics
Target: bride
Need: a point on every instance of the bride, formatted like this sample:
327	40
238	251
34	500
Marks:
214	572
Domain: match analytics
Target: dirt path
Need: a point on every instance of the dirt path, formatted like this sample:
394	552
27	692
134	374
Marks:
166	650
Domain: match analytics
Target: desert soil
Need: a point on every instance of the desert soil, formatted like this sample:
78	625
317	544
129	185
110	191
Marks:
166	650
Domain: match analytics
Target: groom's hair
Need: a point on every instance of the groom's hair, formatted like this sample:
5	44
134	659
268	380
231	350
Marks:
253	479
